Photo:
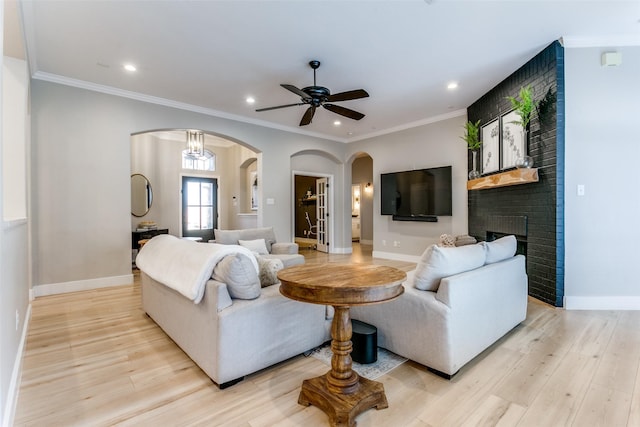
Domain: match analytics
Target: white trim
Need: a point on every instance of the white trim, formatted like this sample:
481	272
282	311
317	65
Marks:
396	257
16	374
602	303
81	285
348	250
609	41
427	121
109	90
13	223
67	81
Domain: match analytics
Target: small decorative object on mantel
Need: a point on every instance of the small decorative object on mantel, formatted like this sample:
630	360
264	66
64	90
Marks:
524	106
471	133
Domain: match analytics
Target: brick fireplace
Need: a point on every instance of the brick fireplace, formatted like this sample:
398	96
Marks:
533	212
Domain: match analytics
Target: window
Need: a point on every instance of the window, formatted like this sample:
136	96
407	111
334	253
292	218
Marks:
206	163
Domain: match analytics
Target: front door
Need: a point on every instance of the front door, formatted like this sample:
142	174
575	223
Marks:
199	207
322	214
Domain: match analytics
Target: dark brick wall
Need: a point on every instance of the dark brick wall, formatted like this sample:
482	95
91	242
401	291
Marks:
542	202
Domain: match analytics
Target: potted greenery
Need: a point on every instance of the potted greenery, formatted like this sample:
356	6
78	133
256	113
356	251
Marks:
471	137
524	105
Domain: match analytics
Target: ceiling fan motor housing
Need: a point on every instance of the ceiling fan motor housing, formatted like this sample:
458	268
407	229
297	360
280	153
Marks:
318	94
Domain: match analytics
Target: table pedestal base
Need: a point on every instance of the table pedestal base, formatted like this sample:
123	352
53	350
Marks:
342	409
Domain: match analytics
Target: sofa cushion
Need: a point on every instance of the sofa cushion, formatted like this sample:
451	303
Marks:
287	260
438	262
257	246
269	268
238	272
500	249
231	237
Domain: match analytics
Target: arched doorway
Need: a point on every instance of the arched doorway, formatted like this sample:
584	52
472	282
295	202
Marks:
362	193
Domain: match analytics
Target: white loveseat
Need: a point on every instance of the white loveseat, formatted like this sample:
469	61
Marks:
236	326
461	314
287	252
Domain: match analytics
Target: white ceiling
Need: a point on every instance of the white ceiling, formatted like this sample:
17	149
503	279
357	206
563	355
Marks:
210	55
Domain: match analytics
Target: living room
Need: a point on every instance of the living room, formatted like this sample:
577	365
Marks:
75	233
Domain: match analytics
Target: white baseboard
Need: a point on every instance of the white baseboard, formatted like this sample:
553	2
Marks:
396	257
602	303
81	285
16	375
341	250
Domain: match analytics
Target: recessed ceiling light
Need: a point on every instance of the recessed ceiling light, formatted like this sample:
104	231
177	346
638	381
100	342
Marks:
452	85
129	67
336	123
250	100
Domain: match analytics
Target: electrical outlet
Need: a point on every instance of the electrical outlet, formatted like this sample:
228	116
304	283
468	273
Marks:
384	243
396	244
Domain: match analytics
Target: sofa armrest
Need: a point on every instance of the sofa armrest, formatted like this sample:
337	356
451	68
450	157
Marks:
499	283
287	248
222	297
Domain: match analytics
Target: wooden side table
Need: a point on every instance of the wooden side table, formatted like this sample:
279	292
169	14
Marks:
341	393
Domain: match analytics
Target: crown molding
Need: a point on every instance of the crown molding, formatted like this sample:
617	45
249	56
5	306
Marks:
609	41
427	121
109	90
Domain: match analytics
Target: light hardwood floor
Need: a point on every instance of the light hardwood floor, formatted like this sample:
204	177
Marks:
94	358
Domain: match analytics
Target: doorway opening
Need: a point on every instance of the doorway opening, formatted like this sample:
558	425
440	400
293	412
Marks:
199	207
312	212
362	194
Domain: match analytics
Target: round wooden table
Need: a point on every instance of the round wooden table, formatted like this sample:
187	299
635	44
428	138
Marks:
341	393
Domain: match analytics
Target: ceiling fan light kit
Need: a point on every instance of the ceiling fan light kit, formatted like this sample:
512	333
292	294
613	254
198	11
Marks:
319	96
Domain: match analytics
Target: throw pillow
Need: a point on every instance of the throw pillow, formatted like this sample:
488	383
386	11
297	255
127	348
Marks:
258	246
240	275
438	262
500	249
447	240
269	271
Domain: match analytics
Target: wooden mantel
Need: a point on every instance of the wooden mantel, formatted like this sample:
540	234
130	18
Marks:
504	179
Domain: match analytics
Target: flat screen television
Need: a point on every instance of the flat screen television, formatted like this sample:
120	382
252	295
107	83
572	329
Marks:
417	195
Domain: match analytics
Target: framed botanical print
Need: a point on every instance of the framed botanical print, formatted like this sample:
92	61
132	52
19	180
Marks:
513	144
490	137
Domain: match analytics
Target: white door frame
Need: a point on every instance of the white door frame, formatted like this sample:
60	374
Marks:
330	200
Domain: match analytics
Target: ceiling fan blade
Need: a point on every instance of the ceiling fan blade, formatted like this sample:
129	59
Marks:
297	91
344	111
279	106
349	95
308	115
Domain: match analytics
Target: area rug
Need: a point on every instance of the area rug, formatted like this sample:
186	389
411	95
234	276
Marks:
385	363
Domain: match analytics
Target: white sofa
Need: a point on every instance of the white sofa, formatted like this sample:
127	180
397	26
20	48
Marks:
212	301
446	327
287	252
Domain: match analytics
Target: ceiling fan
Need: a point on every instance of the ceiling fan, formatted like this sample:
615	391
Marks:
318	96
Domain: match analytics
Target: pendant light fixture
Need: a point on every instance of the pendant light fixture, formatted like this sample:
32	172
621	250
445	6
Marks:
195	144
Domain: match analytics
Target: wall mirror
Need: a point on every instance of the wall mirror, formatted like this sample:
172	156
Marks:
141	195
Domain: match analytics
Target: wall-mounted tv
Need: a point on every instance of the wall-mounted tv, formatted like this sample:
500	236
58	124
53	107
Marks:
417	195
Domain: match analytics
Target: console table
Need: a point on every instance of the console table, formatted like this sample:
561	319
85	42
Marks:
136	236
341	393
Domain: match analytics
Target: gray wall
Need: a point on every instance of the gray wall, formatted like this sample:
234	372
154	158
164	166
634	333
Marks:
602	153
431	145
81	172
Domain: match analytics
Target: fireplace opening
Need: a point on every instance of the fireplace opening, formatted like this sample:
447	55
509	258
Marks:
521	241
